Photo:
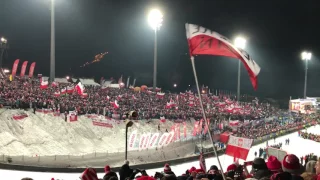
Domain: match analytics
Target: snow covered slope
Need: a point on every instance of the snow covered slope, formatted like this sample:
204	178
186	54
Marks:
45	136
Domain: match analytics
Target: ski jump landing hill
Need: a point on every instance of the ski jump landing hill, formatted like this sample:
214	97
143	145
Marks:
46	140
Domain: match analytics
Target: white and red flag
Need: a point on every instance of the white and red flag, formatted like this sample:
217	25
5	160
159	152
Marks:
70	89
54	84
115	104
80	88
203	41
238	147
44	84
63	91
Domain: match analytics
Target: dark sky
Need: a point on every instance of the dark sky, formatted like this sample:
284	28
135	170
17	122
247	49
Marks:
277	32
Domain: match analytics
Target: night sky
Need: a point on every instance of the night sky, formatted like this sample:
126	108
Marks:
276	31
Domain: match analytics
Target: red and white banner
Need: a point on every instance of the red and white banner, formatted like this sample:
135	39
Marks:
80	88
185	129
23	68
73	116
234	123
163	139
102	123
132	139
15	67
142	141
177	131
146	142
43	84
19	116
195	128
169	138
31	69
206	127
238	147
153	140
203	41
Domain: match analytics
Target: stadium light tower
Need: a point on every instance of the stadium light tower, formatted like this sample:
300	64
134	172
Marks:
306	56
52	44
3	47
155	21
240	43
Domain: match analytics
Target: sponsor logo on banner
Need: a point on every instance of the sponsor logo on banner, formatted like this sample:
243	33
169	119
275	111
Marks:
153	140
163	139
169	138
132	139
142	140
146	143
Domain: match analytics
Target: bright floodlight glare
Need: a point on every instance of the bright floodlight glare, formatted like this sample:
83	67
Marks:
3	40
240	42
155	19
67	77
6	70
175	85
306	55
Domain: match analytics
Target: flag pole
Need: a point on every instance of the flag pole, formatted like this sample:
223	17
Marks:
204	114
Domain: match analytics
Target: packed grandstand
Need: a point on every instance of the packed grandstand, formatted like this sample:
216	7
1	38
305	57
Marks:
74	105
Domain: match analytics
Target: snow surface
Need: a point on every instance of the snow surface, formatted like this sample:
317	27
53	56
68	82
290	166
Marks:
45	135
298	146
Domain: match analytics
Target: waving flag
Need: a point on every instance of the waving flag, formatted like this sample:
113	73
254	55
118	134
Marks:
203	41
238	147
80	88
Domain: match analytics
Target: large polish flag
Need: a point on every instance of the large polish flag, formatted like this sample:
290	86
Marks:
80	88
238	147
203	41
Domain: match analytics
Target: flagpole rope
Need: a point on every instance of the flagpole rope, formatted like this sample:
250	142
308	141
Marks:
204	114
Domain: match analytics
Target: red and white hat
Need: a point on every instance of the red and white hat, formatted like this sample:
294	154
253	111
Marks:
166	168
291	164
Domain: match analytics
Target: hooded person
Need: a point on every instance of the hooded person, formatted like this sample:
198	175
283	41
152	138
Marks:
125	171
109	173
274	165
89	174
291	164
260	169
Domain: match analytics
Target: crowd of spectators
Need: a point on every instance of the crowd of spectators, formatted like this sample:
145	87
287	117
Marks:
99	100
271	169
311	136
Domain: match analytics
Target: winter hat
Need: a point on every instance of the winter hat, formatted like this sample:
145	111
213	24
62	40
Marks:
145	178
89	173
192	169
214	167
291	164
310	166
231	167
200	171
107	169
273	164
166	168
259	163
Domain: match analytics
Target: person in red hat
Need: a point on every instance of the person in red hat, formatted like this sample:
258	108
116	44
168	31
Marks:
89	174
291	164
109	174
274	165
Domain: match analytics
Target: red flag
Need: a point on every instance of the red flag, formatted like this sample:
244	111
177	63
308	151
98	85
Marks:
14	67
203	41
238	147
23	68
202	162
31	69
